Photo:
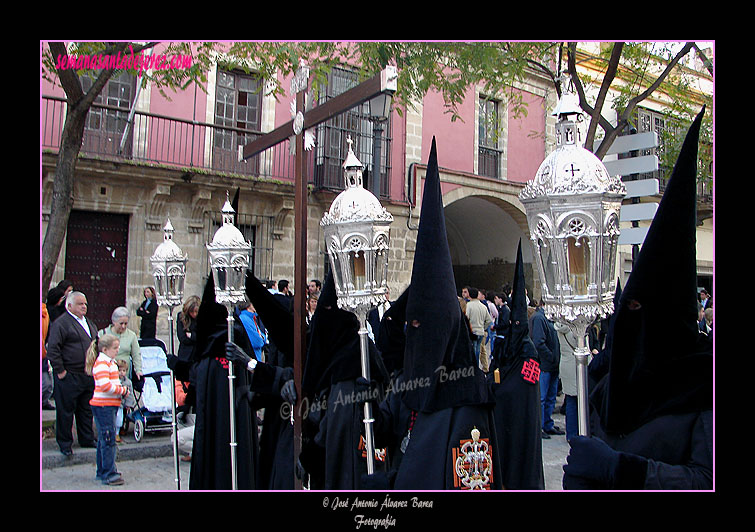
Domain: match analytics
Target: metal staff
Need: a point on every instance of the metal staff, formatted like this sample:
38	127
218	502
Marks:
232	403
581	355
357	238
368	419
176	469
573	210
229	259
169	271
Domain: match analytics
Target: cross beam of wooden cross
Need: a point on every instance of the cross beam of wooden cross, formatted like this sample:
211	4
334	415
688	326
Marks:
385	81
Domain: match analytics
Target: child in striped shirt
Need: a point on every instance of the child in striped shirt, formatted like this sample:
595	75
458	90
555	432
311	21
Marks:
108	392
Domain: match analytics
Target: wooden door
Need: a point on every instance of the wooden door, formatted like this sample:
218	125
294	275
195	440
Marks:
96	259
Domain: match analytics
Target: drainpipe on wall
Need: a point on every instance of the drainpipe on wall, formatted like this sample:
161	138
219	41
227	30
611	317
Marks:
130	119
410	182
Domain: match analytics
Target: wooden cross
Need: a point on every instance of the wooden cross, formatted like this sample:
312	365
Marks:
385	81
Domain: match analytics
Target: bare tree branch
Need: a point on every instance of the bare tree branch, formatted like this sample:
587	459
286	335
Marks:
610	75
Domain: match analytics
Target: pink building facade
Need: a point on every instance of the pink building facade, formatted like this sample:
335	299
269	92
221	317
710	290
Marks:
178	156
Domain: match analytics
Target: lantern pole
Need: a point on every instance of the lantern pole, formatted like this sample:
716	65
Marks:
581	355
356	230
232	402
383	82
229	255
573	198
368	419
174	428
176	469
169	261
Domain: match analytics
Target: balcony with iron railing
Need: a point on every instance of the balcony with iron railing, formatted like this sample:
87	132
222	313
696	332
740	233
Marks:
150	138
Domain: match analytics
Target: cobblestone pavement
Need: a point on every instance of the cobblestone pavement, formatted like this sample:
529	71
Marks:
157	473
153	474
148	465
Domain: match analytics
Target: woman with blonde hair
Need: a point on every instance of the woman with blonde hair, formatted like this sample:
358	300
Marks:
312	298
108	392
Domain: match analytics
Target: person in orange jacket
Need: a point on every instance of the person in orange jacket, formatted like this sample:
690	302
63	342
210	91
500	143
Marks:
46	378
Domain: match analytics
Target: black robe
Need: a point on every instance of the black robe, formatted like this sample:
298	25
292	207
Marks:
517	421
437	458
653	408
332	433
678	449
211	454
422	448
276	457
517	395
453	441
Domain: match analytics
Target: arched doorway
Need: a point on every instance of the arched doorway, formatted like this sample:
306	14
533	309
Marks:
483	234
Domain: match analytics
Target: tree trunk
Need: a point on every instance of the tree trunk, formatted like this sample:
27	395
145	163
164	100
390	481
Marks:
62	193
73	134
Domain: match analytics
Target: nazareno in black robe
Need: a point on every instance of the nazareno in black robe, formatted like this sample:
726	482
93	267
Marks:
333	450
211	453
655	404
517	397
276	456
451	442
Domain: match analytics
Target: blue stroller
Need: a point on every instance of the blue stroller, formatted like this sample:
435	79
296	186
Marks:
153	392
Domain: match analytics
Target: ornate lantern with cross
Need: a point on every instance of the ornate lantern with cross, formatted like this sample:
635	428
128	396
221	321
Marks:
229	260
169	272
357	237
572	208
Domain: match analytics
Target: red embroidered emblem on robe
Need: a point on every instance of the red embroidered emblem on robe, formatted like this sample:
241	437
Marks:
473	464
379	453
531	371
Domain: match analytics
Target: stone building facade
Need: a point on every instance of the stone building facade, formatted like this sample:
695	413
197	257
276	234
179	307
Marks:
172	162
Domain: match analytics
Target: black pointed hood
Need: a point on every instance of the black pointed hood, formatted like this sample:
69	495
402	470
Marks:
657	364
598	367
334	354
517	342
212	325
437	338
392	338
612	319
211	315
278	321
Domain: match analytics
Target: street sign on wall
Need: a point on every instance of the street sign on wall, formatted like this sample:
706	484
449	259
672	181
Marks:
632	235
632	165
638	212
636	189
640	188
627	143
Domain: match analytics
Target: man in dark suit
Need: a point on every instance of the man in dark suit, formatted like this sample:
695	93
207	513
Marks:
284	295
67	344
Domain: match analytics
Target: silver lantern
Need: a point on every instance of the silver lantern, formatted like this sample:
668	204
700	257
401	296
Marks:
229	260
169	272
357	238
572	208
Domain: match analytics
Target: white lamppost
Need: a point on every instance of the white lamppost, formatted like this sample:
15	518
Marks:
357	238
229	260
169	272
572	208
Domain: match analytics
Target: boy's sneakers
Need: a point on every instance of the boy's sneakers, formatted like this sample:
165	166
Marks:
115	481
